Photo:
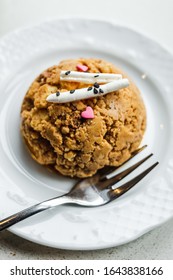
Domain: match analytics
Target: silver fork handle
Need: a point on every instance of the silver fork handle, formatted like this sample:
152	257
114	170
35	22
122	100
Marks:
28	212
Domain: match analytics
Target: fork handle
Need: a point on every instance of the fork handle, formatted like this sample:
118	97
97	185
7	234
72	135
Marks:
28	212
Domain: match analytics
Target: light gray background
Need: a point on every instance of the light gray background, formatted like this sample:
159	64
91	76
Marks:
151	17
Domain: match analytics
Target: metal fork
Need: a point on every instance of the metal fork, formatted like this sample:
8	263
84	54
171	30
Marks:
93	191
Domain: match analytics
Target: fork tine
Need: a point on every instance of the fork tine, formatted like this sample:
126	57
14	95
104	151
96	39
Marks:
113	194
109	169
115	179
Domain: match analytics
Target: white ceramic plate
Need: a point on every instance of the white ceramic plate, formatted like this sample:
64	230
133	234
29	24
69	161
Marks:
26	53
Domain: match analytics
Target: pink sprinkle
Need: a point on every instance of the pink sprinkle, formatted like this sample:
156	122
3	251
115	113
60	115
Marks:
82	68
88	113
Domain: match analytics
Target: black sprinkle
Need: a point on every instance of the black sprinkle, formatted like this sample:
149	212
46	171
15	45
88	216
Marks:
72	91
96	85
90	88
100	90
96	76
67	73
57	93
95	91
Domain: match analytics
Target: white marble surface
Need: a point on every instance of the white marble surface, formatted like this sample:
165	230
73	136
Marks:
151	17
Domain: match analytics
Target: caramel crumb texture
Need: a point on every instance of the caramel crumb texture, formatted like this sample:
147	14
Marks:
56	134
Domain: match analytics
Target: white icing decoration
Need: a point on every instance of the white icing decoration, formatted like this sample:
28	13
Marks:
84	93
88	78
